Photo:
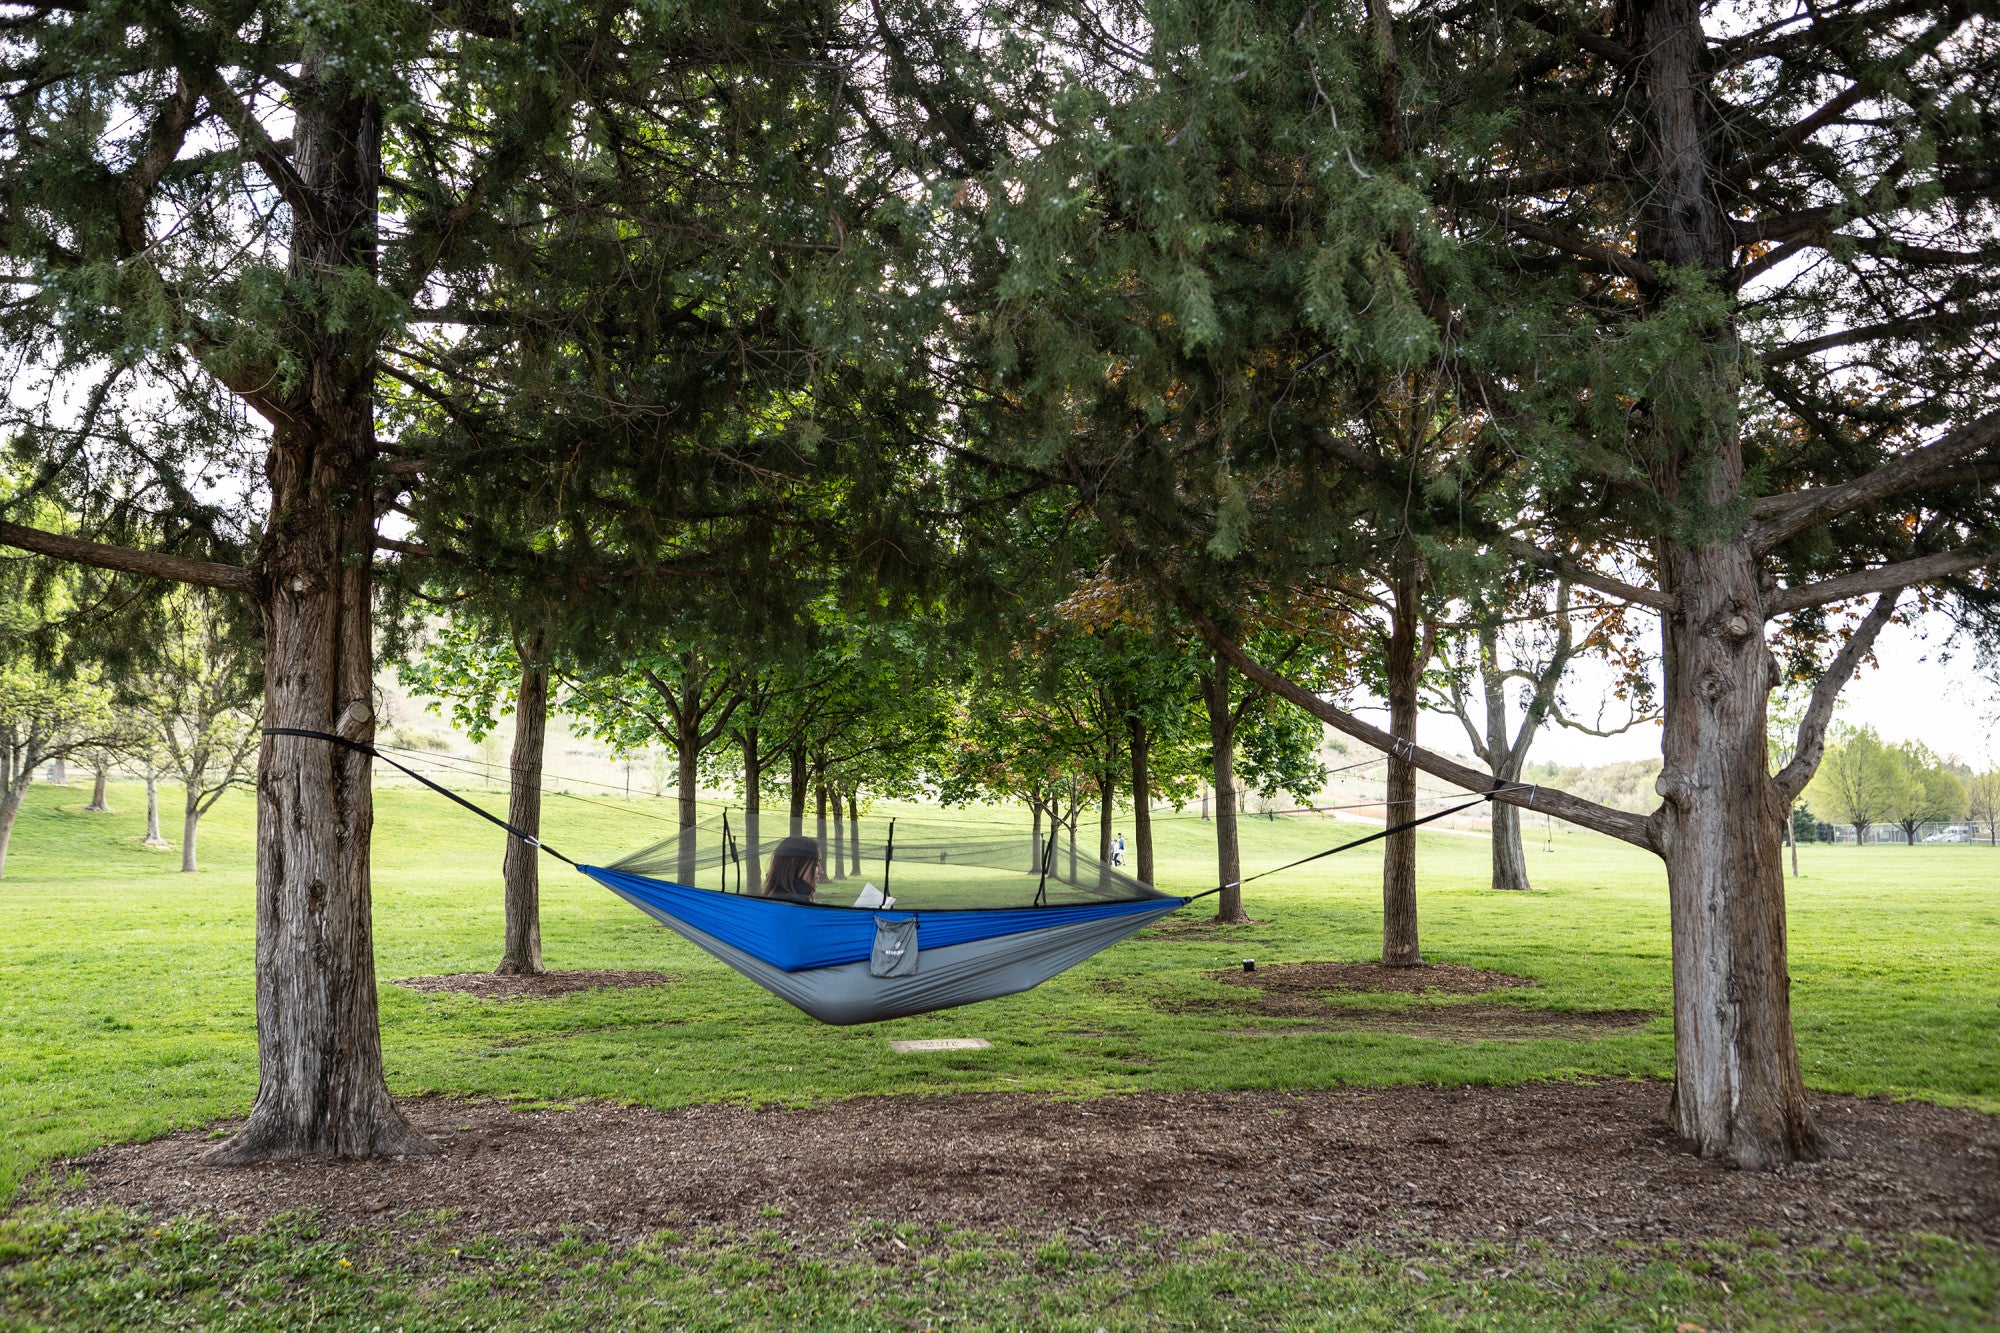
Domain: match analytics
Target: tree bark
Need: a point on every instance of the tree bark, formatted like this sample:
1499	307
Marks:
10	810
687	761
1142	814
1510	861
153	838
1074	801
520	865
798	779
854	829
1738	1093
1399	855
1036	851
321	1089
1792	840
819	832
753	806
839	836
1107	796
1216	697
190	826
98	802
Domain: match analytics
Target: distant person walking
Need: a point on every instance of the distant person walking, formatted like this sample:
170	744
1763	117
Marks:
1118	850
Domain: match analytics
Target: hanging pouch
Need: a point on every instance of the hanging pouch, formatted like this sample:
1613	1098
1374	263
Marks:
895	952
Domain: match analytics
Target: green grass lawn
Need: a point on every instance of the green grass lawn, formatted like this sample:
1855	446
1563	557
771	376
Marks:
126	1003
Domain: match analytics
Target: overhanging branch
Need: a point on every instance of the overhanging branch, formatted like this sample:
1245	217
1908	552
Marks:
1902	574
153	564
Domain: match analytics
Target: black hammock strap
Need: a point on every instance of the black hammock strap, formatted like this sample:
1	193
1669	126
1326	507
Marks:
1359	842
363	747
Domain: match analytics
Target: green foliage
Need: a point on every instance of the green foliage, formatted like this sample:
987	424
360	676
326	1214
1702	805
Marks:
1861	781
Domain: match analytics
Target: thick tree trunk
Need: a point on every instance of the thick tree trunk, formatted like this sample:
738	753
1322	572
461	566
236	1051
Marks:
1216	696
753	807
58	773
798	779
1142	792
101	779
1510	861
1738	1093
1399	854
520	866
190	827
321	1090
10	810
153	838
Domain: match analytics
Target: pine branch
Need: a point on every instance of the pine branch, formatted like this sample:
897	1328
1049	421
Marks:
1782	516
1902	574
154	564
1811	742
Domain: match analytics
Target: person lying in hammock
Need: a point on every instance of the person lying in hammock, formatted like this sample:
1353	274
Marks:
795	871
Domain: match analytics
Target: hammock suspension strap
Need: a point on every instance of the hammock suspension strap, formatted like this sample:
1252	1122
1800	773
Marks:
362	747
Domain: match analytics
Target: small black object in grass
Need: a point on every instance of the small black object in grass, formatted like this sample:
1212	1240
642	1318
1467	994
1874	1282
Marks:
1249	964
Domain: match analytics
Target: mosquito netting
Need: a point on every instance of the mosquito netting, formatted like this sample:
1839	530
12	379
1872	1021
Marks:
930	862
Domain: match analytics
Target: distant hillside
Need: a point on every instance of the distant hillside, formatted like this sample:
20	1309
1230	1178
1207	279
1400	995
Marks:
1624	786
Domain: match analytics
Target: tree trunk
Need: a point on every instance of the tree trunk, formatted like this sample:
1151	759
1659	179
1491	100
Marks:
98	803
153	838
58	772
1142	814
839	836
1792	840
1036	851
520	866
854	829
798	791
1107	796
1216	696
190	825
1510	862
1073	802
321	1089
1399	854
820	832
10	810
1738	1093
687	760
753	807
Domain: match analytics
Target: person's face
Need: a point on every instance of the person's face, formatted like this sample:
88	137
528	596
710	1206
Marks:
812	875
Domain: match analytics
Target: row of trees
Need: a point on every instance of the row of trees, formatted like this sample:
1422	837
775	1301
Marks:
174	693
1865	781
1326	334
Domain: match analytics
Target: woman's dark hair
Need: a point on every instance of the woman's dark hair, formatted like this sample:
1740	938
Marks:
794	867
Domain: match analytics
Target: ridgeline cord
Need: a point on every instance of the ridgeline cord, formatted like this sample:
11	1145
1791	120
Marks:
363	747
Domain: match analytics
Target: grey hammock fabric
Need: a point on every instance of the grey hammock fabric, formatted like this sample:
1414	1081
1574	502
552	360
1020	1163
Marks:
943	978
895	952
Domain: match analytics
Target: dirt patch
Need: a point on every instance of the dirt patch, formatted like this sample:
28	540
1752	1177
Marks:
547	986
1576	1164
1473	1021
1319	978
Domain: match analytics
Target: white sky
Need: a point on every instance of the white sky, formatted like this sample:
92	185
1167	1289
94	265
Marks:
1918	690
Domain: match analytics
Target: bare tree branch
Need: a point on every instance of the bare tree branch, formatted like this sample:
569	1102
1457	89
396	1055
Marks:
1902	574
1781	516
1811	742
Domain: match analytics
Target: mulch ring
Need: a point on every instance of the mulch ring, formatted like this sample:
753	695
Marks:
1318	979
546	986
1576	1164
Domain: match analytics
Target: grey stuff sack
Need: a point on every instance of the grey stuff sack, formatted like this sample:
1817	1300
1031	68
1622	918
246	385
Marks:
895	952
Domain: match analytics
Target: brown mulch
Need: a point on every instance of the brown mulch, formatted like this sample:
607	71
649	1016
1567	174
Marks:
547	986
1575	1164
1319	978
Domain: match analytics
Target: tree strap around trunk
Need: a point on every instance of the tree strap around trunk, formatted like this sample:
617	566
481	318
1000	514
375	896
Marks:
1358	842
362	747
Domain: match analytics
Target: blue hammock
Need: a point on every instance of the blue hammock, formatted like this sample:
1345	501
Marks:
849	965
